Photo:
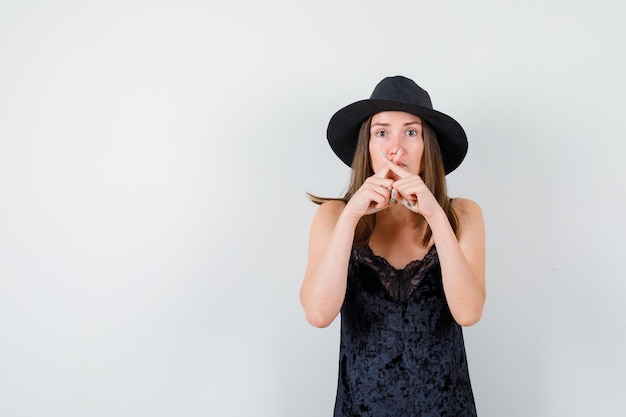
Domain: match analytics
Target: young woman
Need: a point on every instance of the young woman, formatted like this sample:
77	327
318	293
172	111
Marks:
403	262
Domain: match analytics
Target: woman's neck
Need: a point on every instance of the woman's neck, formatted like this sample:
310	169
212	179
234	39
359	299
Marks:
399	218
398	225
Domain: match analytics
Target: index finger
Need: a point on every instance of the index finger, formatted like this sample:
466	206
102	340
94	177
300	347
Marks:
402	173
383	172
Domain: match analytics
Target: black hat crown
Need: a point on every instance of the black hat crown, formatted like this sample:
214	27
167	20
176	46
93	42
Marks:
401	89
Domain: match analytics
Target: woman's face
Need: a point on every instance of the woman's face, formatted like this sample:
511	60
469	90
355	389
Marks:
397	135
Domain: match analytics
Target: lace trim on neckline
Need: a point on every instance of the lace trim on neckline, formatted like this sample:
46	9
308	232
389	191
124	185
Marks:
399	283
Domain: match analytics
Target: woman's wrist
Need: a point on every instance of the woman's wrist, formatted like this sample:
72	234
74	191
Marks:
346	219
438	219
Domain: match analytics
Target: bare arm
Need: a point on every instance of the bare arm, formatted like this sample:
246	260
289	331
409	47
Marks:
462	260
330	243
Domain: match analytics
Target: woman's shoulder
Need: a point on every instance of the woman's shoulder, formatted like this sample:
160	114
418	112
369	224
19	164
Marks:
464	207
469	215
326	218
330	209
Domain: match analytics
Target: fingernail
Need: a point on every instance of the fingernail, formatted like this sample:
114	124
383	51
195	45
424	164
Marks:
393	192
406	203
393	201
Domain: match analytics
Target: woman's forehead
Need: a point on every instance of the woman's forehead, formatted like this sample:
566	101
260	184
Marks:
395	116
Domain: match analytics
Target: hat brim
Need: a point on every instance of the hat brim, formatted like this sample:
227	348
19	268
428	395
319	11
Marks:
343	129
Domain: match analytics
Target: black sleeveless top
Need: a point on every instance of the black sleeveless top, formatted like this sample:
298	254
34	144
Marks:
401	353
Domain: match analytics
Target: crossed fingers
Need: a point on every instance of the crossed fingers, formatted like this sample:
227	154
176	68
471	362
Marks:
408	200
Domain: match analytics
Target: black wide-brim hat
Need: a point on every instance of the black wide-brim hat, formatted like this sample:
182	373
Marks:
396	94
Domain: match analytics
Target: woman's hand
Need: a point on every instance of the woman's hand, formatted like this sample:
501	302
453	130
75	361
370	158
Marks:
373	196
411	190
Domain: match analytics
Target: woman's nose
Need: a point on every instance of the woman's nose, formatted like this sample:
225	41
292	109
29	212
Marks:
394	146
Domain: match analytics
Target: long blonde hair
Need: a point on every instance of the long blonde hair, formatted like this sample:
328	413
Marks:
433	175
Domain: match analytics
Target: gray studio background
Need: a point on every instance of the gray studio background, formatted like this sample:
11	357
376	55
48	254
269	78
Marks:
154	158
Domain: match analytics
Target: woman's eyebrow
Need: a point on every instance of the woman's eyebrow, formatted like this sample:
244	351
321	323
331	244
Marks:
416	122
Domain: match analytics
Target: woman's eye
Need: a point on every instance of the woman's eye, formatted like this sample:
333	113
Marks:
411	132
381	134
